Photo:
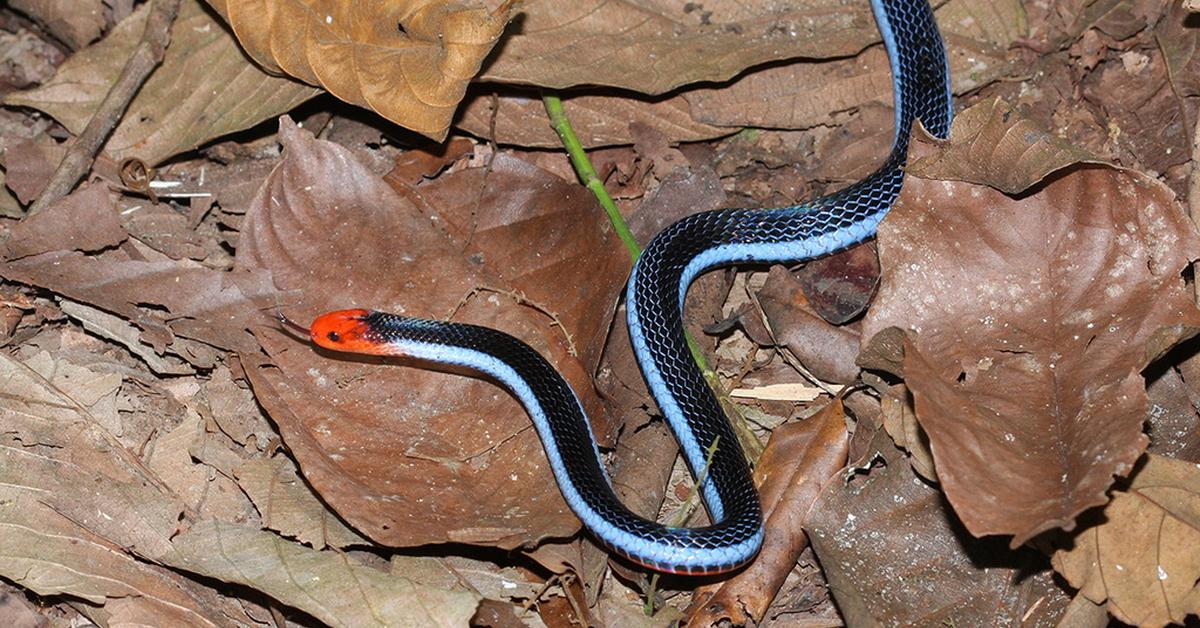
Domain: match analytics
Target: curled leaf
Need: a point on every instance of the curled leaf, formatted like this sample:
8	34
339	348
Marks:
414	74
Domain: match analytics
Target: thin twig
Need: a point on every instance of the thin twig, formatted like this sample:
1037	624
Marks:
82	152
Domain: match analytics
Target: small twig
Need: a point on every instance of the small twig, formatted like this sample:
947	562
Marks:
80	155
521	299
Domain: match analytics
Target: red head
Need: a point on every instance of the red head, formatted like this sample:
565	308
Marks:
346	330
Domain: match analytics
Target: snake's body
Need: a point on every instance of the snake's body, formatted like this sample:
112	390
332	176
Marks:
654	300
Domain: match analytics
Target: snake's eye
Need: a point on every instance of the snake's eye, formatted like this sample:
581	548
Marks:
333	336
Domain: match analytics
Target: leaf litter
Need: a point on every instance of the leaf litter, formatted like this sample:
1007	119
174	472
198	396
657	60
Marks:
163	437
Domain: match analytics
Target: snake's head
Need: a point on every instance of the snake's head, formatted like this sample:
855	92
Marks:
346	330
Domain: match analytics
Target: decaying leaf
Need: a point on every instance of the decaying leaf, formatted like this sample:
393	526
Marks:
46	552
1029	321
288	506
798	461
1142	556
654	46
414	75
75	22
330	586
375	437
54	451
994	145
205	88
895	556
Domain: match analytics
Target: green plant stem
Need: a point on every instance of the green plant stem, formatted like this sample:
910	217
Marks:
585	171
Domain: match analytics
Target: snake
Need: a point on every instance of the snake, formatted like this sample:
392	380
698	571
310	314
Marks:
654	299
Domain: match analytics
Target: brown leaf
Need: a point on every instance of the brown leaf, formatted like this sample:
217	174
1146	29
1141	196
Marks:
373	439
1029	323
204	88
28	165
414	75
47	553
84	221
54	451
598	120
655	46
894	555
798	461
76	23
1142	556
331	586
289	507
189	302
827	350
993	145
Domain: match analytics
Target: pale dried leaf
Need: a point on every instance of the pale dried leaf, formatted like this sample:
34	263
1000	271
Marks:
52	450
205	88
330	586
414	75
47	553
76	22
1142	557
289	507
655	46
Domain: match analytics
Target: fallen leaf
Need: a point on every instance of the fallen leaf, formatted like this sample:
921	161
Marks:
993	144
205	88
45	552
653	47
74	22
1141	556
414	75
895	555
374	438
84	221
289	507
330	586
799	460
827	350
598	120
53	451
1028	322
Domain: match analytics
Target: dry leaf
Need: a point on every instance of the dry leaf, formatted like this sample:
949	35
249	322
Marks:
993	145
53	450
205	88
895	556
49	554
330	586
827	350
655	46
374	437
84	221
798	461
1029	323
1142	557
414	75
289	507
75	22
